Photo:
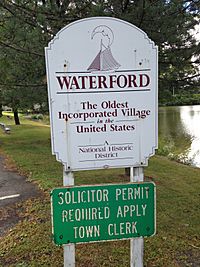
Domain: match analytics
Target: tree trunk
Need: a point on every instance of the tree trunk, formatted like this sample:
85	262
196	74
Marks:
1	111
16	117
127	171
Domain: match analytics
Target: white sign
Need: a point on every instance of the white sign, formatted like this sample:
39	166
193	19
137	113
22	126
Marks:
102	87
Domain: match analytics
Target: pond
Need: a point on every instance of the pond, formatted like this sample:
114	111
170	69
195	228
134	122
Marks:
179	133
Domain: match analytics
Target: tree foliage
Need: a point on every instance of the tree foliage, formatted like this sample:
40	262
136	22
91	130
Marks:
27	26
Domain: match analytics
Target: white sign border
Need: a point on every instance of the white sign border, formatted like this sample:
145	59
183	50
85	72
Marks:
49	47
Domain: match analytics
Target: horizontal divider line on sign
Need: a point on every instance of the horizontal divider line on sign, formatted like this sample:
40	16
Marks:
102	92
65	72
103	159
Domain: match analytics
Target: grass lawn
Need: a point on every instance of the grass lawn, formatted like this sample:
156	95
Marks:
177	242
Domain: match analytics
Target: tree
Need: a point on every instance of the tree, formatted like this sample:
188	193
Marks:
25	29
169	24
22	65
27	26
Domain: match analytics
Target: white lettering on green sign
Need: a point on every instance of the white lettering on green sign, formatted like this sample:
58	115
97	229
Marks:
107	212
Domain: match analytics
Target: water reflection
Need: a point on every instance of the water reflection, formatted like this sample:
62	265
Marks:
179	132
190	117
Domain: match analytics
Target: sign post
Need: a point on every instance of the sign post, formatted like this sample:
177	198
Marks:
137	244
69	249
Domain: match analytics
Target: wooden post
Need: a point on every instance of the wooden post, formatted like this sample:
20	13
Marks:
69	250
136	244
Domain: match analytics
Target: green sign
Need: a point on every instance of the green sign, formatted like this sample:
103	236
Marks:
105	212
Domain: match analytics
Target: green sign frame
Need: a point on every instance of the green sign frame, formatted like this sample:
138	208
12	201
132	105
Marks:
103	212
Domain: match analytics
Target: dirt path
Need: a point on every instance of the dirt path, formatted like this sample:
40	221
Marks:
13	189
